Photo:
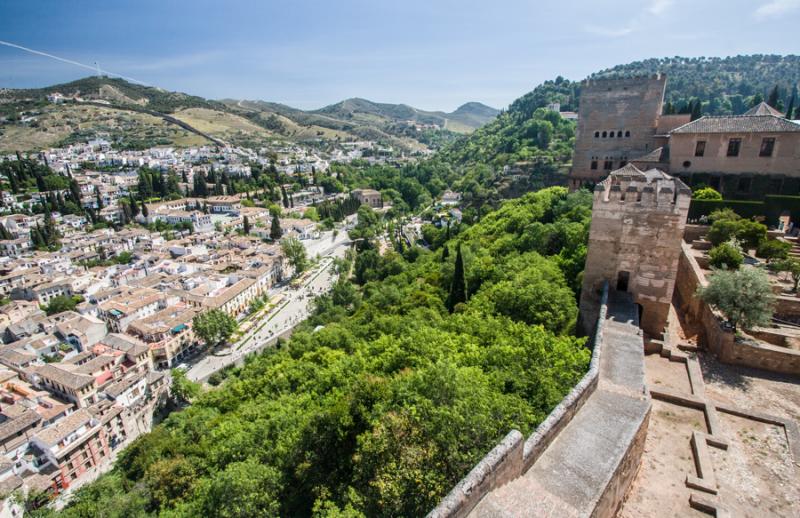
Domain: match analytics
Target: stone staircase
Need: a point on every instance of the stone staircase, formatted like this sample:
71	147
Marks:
795	251
586	469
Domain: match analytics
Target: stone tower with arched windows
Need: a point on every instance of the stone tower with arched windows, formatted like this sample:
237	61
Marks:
638	219
618	121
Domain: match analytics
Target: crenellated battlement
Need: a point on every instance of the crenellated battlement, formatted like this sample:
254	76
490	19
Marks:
630	80
651	189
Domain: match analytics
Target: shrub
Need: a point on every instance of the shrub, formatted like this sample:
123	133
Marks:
751	233
772	249
723	214
721	231
707	193
725	256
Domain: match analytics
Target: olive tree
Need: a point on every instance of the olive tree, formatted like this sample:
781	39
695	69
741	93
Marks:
743	296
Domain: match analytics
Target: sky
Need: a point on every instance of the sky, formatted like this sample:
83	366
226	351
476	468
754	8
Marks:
431	54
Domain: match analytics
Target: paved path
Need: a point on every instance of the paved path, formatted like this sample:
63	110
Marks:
294	307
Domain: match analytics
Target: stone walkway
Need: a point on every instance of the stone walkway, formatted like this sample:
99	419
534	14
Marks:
572	475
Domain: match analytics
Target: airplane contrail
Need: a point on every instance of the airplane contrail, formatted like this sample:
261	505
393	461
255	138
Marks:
65	60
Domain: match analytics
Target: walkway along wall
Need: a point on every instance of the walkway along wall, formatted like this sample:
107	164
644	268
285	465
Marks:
716	335
514	459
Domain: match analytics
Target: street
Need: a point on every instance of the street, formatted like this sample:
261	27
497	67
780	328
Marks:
293	308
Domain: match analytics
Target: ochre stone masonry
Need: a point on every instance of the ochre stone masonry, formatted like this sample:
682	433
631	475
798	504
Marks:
618	121
637	225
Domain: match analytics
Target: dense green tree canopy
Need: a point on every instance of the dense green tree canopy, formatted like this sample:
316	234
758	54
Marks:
388	404
214	326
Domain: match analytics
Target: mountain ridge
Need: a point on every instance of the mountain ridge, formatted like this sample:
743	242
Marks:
242	121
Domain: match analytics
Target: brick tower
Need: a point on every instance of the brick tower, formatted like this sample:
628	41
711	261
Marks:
617	121
638	218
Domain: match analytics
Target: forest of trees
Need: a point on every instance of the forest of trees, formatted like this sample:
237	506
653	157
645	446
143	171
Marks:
380	411
725	86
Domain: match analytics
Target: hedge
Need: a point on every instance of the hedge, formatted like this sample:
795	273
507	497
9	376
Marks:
771	207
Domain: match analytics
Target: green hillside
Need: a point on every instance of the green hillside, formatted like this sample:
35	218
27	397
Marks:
722	85
248	123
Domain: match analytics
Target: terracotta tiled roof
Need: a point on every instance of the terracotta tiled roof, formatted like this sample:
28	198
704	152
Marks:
739	124
763	109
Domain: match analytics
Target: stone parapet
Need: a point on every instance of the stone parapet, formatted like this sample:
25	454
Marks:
501	465
581	460
716	335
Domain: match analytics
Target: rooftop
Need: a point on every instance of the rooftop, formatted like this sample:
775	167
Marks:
739	124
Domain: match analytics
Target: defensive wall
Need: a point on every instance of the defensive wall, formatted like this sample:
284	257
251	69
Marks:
717	336
582	458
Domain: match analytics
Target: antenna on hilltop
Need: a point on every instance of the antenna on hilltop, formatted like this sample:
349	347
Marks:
99	73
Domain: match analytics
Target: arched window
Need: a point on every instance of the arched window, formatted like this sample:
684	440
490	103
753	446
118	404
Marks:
619	134
627	133
605	134
596	134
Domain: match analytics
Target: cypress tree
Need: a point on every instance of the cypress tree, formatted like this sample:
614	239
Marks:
126	213
36	238
50	232
275	231
445	252
145	211
98	198
458	288
75	192
246	225
134	207
12	179
790	108
285	198
40	182
773	98
696	110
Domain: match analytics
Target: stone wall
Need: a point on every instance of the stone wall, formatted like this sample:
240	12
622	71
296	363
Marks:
717	336
636	229
501	465
562	414
784	160
621	480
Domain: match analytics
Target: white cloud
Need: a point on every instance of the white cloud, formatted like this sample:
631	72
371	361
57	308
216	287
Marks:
776	8
654	8
658	7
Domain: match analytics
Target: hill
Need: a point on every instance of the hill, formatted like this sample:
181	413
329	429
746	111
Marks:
722	85
463	120
118	108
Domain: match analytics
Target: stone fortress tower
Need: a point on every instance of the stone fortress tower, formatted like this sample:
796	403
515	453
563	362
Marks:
618	120
638	219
